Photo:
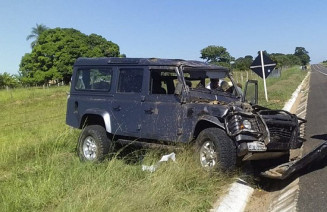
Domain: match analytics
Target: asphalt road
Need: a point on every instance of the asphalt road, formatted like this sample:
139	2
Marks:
313	183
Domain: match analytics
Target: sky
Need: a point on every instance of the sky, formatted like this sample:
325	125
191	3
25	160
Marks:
171	28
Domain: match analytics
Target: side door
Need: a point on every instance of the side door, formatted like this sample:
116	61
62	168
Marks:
126	106
161	109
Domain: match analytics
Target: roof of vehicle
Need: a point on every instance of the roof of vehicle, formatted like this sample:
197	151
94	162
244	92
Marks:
147	62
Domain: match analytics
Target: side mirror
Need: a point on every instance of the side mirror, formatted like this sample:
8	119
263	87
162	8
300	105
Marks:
251	92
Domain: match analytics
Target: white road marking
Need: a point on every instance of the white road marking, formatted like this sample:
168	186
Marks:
238	196
320	71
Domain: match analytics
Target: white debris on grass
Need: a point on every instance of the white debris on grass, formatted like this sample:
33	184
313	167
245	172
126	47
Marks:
164	158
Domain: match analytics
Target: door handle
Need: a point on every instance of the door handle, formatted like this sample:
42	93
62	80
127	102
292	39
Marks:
117	108
149	111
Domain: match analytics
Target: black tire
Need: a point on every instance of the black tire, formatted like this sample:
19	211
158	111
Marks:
93	144
224	155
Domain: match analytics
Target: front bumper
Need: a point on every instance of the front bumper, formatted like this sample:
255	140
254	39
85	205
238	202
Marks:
271	131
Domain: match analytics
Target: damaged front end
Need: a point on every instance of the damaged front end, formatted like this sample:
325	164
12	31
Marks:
269	134
263	134
260	133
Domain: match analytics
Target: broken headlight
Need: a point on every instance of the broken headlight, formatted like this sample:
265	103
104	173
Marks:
246	124
242	122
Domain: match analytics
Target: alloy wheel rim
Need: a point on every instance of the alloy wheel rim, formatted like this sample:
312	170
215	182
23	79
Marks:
89	148
208	155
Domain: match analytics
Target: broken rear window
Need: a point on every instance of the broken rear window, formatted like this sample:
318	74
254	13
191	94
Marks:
94	79
130	80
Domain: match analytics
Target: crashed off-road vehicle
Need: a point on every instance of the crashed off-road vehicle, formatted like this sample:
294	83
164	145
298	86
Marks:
161	102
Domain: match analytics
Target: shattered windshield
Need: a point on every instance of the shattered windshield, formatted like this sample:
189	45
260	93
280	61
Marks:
211	81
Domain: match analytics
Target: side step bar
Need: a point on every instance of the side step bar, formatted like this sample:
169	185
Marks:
146	145
285	170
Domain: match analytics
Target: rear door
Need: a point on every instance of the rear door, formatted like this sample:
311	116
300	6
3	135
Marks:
126	106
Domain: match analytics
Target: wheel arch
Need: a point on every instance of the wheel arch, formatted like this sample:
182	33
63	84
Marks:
96	117
207	122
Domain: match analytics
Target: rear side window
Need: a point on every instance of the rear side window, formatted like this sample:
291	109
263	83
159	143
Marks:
97	79
130	80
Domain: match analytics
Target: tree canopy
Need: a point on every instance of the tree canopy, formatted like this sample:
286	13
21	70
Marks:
283	60
303	55
55	52
243	63
8	80
216	55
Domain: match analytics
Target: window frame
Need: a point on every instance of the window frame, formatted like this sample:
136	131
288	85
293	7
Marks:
141	70
106	68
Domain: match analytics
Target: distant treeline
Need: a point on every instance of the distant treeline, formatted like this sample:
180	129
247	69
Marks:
220	56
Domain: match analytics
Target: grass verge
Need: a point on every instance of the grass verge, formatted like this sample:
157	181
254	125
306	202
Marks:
39	169
279	89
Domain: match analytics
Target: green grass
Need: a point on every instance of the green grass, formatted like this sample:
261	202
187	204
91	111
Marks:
39	169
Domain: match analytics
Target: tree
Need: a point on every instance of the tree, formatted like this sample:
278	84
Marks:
244	63
303	55
36	32
8	80
54	54
283	60
216	55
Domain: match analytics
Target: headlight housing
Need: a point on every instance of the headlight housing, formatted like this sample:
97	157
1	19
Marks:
246	124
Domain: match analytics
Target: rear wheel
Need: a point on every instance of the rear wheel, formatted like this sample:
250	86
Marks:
93	143
216	150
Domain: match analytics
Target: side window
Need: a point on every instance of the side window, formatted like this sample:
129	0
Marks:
94	79
163	81
130	80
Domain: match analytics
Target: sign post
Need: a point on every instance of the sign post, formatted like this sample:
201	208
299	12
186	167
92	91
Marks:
263	66
264	77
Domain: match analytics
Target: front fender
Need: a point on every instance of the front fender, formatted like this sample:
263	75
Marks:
207	121
213	120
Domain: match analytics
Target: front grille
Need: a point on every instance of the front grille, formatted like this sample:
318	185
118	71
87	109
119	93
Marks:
279	134
283	129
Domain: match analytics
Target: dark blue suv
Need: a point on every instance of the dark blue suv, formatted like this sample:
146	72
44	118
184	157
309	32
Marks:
161	102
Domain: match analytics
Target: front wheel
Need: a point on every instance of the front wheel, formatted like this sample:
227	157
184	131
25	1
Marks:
93	144
216	150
